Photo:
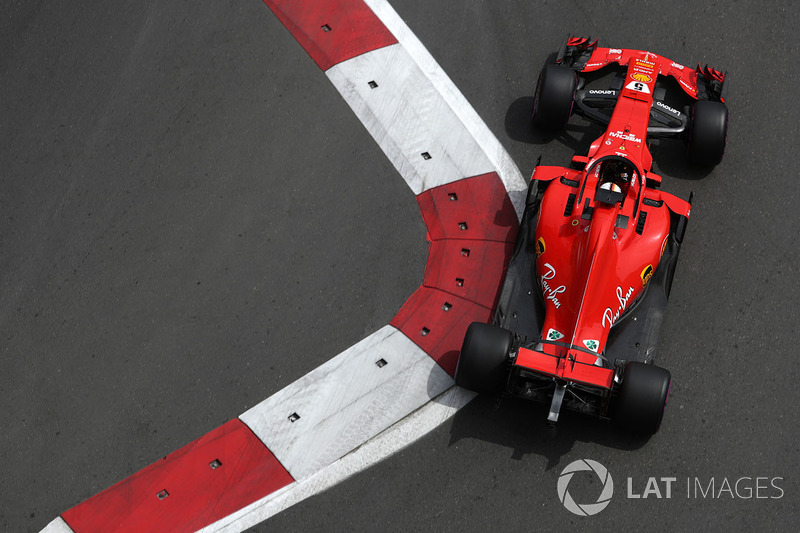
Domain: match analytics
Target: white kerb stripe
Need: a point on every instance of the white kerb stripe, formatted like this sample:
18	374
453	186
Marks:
395	438
57	526
407	117
337	407
501	161
412	107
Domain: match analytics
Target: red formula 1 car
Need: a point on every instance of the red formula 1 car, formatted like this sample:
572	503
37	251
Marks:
586	289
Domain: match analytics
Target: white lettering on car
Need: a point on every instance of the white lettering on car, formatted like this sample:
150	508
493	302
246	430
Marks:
668	108
551	293
625	136
638	86
609	317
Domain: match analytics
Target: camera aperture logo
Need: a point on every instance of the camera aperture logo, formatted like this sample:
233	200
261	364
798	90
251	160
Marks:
585	509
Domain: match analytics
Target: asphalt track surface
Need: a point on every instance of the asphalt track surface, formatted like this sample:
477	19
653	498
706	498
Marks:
192	218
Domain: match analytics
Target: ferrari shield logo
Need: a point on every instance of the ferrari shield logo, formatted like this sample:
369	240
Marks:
539	247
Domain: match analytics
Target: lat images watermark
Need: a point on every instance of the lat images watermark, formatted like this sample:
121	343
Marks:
585	509
670	487
743	488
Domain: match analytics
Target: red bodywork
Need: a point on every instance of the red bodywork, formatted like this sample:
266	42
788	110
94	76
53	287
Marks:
592	263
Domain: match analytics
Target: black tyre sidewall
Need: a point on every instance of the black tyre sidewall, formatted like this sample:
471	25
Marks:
552	103
482	363
643	397
709	133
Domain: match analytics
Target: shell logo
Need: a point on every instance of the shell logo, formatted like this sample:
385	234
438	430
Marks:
647	273
638	76
540	247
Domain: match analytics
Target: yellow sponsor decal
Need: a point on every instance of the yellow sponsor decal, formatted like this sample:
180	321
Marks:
646	274
540	247
644	78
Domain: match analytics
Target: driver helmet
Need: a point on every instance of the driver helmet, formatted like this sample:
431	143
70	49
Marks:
614	175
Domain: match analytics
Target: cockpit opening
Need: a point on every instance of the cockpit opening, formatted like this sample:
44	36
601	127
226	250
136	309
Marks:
615	177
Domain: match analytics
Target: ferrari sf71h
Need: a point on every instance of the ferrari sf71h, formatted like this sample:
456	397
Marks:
586	289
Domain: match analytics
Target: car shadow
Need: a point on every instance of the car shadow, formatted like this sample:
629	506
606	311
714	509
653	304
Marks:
670	158
577	135
518	122
522	427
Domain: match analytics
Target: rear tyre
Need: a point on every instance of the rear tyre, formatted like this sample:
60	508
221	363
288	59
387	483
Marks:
482	364
643	397
552	103
708	133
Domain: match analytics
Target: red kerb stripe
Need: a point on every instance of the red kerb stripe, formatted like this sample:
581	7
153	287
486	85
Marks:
475	208
472	225
191	488
332	31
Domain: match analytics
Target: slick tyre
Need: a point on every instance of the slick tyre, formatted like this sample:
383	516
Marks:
482	364
552	102
643	397
708	133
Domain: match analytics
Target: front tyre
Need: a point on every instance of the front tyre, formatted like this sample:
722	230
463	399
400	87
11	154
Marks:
552	103
643	397
482	363
708	133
